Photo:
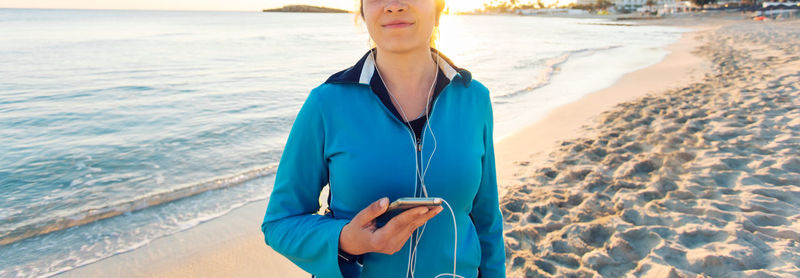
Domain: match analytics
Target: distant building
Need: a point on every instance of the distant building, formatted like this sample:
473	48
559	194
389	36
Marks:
668	8
660	6
551	11
636	4
785	3
630	4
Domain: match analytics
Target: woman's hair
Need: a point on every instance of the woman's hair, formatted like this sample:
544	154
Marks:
439	9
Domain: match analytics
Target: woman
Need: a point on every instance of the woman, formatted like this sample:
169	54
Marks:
360	133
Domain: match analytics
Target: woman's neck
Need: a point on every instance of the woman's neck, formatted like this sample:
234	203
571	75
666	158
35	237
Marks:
407	73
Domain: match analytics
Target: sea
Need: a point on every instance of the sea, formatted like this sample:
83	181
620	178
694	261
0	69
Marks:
118	127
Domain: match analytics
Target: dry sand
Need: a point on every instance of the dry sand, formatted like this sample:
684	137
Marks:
699	180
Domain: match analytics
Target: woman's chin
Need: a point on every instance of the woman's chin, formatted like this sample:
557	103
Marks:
401	46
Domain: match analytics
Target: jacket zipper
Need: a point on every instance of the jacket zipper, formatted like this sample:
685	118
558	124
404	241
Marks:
422	137
419	152
417	144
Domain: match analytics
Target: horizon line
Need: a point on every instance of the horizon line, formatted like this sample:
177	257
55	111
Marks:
153	10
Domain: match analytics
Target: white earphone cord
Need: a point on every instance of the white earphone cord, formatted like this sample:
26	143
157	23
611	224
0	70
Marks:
412	261
412	254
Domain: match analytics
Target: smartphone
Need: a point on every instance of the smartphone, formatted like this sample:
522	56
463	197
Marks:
402	204
409	203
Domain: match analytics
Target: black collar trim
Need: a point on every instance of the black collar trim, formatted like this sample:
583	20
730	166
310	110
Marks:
364	69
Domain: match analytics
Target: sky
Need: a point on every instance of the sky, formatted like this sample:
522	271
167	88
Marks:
218	5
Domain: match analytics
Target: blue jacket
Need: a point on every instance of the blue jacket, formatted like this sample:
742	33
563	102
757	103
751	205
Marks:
345	136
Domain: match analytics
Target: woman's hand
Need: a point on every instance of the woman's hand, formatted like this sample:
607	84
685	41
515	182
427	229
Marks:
362	236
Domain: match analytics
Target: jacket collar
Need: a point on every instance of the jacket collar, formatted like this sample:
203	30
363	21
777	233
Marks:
364	69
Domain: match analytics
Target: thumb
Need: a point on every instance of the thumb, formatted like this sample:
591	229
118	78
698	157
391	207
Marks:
366	215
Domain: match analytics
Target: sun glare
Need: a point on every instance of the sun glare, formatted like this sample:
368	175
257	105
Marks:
464	5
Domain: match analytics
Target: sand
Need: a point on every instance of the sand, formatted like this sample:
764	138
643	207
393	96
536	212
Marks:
572	211
532	144
229	246
703	179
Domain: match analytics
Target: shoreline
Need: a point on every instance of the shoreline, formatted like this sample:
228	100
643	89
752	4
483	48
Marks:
697	180
232	245
533	143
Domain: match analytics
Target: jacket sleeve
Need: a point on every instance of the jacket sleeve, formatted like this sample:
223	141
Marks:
486	210
290	227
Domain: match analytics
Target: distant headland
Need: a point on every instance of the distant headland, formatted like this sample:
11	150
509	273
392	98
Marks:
305	9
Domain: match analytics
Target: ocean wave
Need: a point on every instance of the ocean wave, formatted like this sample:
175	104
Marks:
28	229
552	66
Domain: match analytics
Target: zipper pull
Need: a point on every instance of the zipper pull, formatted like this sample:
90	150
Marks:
419	145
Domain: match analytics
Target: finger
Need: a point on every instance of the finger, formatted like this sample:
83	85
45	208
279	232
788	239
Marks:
397	235
422	219
400	223
366	215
